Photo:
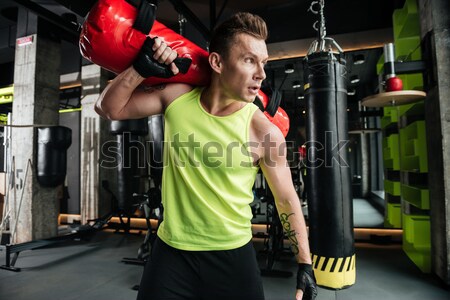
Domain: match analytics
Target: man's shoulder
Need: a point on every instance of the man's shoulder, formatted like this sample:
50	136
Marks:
263	128
179	89
173	91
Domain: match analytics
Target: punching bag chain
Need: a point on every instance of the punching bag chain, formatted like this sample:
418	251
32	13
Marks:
320	30
320	45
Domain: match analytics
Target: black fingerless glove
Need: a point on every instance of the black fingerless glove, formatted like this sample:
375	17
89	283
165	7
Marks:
306	281
147	66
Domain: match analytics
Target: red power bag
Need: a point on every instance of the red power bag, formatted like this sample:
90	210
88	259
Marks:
109	40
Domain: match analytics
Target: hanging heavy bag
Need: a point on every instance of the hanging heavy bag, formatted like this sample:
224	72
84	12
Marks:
51	154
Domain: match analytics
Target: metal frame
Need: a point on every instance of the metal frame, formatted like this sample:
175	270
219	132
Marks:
15	249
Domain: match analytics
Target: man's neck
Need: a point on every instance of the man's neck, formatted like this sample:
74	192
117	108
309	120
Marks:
216	103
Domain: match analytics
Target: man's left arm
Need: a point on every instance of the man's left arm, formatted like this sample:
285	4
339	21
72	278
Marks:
278	175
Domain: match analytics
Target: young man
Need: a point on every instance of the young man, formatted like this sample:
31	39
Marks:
216	139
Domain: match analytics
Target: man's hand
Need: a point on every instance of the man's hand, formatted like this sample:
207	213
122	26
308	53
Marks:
306	283
156	59
165	55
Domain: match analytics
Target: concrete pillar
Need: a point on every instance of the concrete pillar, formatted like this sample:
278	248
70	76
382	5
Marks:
95	200
36	102
435	33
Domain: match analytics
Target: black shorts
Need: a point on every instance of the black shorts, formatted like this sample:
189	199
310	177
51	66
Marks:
201	275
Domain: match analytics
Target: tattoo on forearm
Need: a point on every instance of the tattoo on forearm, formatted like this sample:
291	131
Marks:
291	234
151	89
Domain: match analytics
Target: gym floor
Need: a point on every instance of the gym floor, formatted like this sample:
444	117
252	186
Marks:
92	269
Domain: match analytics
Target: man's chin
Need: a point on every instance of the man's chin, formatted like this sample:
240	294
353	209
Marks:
249	99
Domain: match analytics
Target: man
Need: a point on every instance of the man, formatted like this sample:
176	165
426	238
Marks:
215	141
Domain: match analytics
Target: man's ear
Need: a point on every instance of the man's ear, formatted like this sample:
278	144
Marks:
215	61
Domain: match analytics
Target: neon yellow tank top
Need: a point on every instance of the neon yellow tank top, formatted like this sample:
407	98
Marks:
208	177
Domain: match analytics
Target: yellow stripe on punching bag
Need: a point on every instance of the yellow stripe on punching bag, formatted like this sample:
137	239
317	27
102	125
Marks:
334	272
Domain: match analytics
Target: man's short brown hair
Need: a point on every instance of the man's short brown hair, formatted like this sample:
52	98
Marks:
242	22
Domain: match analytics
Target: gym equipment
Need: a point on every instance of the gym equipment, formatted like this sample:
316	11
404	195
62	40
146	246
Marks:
151	205
51	154
108	39
127	134
393	83
16	249
393	98
328	182
359	122
151	201
269	104
274	243
394	95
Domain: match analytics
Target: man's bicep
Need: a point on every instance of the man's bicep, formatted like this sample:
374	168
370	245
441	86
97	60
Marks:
145	101
275	168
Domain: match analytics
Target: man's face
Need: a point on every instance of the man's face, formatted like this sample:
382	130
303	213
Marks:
243	70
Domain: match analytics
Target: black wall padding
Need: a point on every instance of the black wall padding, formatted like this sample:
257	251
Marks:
51	154
328	181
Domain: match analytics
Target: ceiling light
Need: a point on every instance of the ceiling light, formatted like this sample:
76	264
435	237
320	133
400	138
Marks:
358	59
354	79
296	84
351	93
301	97
288	68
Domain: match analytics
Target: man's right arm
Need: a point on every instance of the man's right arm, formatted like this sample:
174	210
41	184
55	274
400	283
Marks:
124	98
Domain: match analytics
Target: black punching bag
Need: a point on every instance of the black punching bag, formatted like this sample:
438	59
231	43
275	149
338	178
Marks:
51	154
132	153
329	187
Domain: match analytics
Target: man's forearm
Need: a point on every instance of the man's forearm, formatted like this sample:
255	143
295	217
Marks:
294	227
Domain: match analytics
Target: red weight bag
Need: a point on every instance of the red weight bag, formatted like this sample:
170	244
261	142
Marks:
109	40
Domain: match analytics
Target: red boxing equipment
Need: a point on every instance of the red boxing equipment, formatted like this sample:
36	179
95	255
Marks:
280	119
109	40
